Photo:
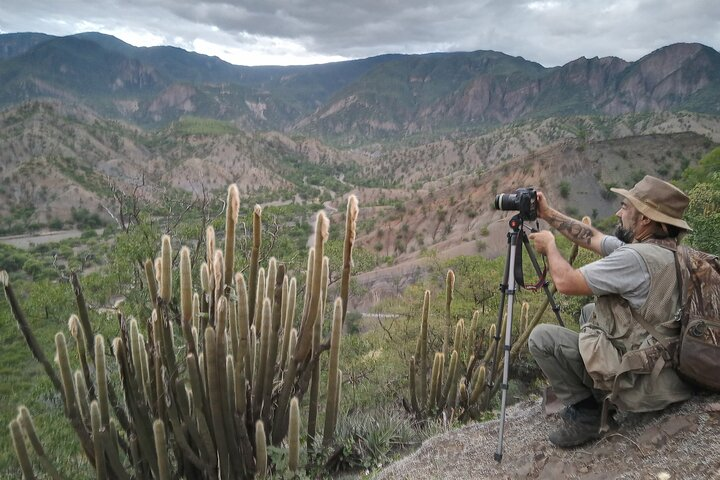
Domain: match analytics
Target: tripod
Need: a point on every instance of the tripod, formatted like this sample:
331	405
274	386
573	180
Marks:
513	269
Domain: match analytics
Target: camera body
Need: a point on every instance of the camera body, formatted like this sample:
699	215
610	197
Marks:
524	200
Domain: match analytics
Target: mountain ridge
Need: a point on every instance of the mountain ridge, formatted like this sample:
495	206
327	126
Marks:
354	102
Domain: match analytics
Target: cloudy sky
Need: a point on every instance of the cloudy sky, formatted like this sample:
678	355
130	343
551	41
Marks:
284	32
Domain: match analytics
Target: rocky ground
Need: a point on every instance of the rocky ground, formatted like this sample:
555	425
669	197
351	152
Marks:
679	443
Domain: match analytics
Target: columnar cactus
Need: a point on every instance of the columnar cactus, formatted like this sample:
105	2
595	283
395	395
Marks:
450	286
205	401
451	391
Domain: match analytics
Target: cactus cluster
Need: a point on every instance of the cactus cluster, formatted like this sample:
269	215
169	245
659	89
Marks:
464	388
207	382
454	383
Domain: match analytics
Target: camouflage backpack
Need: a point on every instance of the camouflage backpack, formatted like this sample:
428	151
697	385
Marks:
696	353
698	356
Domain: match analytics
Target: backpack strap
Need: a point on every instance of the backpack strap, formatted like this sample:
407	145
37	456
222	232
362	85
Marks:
678	272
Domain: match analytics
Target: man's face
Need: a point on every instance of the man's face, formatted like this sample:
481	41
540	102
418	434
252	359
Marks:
627	222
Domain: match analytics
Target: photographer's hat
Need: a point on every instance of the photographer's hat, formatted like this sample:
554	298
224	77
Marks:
658	200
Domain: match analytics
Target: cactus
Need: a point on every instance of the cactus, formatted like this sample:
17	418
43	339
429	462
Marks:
471	394
27	427
448	392
21	450
294	436
254	259
450	285
260	450
331	408
311	312
350	221
193	405
166	269
423	348
161	450
231	216
96	423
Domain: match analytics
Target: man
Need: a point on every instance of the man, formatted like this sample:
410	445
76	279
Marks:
635	284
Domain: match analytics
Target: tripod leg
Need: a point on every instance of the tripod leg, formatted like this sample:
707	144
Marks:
501	306
508	343
534	261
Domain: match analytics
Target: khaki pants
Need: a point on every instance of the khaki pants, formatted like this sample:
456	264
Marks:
556	352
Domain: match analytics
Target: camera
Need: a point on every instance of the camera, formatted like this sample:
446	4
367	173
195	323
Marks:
524	200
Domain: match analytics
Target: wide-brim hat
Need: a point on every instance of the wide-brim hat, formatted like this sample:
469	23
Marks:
658	200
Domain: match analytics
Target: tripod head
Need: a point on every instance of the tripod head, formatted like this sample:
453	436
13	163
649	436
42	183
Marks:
518	238
517	222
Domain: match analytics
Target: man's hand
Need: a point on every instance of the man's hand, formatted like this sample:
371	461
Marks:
543	207
576	231
567	280
543	241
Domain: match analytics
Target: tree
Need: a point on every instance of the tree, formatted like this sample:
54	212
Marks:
702	184
706	166
703	215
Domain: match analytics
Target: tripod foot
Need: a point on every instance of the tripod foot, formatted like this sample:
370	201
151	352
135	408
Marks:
498	457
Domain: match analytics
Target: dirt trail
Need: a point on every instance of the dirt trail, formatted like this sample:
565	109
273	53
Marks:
25	241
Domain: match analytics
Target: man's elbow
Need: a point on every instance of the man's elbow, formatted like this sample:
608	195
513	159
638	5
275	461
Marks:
573	284
564	287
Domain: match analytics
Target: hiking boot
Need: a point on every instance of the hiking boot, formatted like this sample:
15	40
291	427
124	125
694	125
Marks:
579	426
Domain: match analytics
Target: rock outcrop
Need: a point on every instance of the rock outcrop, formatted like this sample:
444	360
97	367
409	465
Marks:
677	443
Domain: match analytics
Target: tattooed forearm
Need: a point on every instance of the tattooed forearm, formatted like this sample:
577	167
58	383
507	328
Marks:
574	230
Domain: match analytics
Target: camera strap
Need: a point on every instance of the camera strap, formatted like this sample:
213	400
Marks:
519	278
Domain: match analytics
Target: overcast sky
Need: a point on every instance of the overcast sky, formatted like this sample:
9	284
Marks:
284	32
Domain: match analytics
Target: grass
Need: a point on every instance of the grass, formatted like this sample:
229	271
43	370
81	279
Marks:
25	383
190	125
47	306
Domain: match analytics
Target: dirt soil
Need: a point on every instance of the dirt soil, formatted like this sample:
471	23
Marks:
677	443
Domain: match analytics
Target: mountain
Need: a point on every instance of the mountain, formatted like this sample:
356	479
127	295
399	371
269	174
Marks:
58	158
152	86
14	44
677	77
382	98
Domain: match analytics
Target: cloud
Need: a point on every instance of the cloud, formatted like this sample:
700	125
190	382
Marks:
551	32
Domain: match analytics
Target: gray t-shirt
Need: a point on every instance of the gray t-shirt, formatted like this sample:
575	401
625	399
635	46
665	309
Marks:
621	271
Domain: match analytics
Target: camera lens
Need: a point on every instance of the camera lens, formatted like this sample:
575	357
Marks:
506	201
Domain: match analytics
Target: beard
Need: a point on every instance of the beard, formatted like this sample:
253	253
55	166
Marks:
625	235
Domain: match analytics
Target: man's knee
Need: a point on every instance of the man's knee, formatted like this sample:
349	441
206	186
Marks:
586	314
541	338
